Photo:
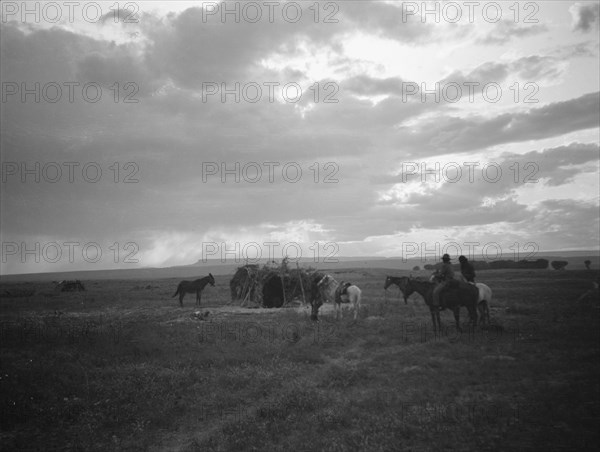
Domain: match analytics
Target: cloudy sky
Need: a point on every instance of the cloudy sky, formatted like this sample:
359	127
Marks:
165	133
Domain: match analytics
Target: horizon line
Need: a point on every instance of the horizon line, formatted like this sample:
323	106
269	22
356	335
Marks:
298	260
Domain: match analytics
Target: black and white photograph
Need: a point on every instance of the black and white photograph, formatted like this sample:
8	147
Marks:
353	225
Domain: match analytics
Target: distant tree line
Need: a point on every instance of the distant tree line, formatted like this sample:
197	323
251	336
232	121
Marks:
559	265
494	265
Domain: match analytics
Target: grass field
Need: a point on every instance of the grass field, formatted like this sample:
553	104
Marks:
122	367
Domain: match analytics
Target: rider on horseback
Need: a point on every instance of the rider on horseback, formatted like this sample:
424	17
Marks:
445	274
467	270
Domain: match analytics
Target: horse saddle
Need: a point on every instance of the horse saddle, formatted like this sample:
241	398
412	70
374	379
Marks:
342	290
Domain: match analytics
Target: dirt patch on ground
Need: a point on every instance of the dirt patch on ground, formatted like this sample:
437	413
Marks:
239	310
211	313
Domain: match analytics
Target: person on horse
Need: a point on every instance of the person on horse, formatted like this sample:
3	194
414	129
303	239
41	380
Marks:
445	274
467	270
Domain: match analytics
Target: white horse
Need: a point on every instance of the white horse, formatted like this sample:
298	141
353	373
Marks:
328	287
485	298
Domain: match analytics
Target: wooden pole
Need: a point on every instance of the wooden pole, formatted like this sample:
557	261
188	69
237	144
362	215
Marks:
301	285
282	285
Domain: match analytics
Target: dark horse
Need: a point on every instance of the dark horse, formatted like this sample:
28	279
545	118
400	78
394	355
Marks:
315	295
193	286
397	280
455	295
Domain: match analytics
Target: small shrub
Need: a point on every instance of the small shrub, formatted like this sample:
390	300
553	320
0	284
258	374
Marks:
559	265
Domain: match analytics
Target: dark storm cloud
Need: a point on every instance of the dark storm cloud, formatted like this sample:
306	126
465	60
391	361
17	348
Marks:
388	21
533	68
558	166
572	223
476	198
477	180
193	48
55	50
452	134
170	132
585	16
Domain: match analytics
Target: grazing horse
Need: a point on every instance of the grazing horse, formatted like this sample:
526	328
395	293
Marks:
391	280
455	295
193	286
330	291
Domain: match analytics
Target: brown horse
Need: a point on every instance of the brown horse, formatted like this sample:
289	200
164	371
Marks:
455	295
193	286
391	280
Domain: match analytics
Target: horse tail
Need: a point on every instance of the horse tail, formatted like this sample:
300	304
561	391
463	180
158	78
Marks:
177	291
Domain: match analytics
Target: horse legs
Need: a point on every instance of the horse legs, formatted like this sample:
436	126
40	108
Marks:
432	319
484	312
400	292
198	296
181	295
456	312
473	315
435	318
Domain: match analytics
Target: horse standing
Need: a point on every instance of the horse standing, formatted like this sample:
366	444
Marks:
316	300
455	295
485	299
328	288
391	280
193	286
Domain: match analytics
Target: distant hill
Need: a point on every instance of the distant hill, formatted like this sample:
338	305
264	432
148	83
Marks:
216	267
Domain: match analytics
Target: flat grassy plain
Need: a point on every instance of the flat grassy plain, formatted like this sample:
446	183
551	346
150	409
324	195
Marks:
122	366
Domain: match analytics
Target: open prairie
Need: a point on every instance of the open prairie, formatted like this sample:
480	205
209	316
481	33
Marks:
121	366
